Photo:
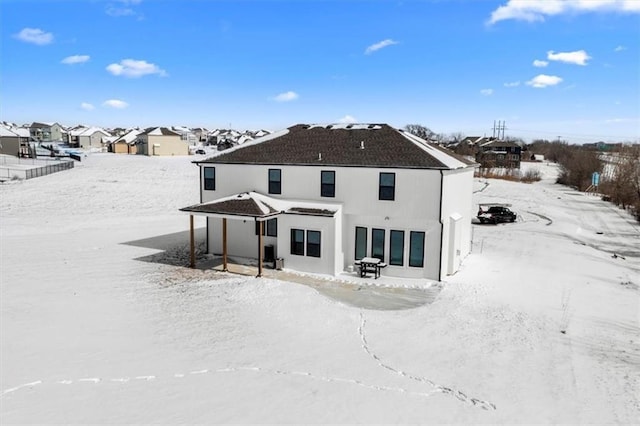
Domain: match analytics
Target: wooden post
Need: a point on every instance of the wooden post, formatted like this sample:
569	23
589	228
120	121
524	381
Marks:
192	245
224	244
260	249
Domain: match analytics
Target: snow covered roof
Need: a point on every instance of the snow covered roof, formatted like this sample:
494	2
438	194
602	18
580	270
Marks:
160	131
497	143
129	137
7	132
260	206
360	145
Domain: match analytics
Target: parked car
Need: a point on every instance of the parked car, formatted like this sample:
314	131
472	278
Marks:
200	151
496	214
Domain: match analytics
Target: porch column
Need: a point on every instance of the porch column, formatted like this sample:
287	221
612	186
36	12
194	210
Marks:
224	244
192	244
260	249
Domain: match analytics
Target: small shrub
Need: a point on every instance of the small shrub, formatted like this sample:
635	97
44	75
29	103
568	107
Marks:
531	175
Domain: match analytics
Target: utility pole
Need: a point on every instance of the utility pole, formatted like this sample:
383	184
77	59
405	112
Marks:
502	125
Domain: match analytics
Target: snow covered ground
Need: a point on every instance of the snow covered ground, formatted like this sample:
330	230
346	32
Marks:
99	323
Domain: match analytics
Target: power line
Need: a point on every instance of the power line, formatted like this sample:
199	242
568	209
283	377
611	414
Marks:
576	134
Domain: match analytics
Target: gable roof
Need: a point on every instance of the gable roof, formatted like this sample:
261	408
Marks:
6	132
159	131
130	137
351	145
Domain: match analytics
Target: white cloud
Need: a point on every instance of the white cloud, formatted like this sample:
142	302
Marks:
134	68
543	80
538	10
619	48
35	36
75	59
379	45
347	119
115	103
486	92
540	64
87	106
512	84
579	57
286	97
122	8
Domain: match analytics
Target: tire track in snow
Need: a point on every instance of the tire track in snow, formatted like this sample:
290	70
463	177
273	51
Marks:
311	376
485	405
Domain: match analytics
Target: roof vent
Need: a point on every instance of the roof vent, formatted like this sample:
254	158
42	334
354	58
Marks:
319	156
361	144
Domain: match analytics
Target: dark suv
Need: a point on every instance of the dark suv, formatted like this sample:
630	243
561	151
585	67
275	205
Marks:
496	214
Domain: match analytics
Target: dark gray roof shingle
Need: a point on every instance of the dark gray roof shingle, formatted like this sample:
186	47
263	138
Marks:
376	145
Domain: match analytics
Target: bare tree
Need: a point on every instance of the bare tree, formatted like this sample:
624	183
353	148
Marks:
420	131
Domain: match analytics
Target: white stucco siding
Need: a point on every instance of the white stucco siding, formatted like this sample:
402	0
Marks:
242	241
416	207
326	263
431	228
457	210
417	191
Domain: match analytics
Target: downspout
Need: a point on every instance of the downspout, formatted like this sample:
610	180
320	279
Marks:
441	225
206	217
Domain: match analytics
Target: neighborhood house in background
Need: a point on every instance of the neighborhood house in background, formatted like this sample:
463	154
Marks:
324	197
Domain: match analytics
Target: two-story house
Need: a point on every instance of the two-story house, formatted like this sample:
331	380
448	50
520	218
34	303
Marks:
161	141
46	132
499	153
88	137
322	197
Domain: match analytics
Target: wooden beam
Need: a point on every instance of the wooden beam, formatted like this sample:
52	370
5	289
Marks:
192	244
260	254
224	244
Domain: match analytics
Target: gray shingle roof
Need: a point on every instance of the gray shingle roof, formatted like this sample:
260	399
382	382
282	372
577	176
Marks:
237	207
375	145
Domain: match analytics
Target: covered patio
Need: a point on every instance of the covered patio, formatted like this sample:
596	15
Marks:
243	206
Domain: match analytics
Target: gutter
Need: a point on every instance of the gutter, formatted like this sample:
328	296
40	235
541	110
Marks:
441	226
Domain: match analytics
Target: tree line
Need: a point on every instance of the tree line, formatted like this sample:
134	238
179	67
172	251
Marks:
618	166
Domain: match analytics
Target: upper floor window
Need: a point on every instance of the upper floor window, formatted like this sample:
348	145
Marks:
328	183
313	243
210	178
387	189
275	181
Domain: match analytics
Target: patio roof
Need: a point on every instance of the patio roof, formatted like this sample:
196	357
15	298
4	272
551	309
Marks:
259	206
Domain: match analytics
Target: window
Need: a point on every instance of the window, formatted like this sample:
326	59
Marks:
328	184
361	242
270	228
297	242
387	187
377	243
313	243
275	181
416	249
396	248
209	178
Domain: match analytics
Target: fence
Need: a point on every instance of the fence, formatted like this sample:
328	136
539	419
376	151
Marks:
28	168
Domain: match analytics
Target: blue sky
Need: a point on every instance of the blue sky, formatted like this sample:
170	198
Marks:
548	68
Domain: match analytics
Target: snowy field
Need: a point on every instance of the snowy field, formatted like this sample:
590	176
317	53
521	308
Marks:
100	323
